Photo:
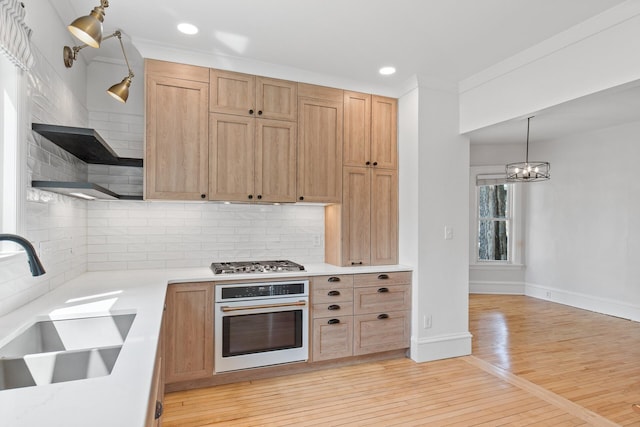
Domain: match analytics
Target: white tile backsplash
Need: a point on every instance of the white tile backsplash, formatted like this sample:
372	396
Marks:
166	235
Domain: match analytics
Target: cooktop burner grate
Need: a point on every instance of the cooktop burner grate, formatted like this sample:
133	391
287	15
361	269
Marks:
255	267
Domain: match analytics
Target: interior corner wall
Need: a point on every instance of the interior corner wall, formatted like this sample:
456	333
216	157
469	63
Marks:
599	54
583	225
436	172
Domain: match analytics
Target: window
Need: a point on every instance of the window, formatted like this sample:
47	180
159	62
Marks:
494	222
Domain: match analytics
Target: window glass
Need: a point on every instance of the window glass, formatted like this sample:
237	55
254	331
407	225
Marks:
494	222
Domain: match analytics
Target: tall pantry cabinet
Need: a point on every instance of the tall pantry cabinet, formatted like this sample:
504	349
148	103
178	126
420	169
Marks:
363	230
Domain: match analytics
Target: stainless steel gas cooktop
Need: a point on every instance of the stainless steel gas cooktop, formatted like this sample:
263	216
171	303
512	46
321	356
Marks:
255	267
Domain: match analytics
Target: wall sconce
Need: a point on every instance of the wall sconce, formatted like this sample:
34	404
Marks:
88	29
119	91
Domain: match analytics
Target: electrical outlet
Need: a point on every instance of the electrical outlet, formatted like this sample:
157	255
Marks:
317	241
426	321
448	232
548	294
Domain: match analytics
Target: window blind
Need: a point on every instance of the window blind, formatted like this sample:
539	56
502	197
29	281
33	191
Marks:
15	34
491	179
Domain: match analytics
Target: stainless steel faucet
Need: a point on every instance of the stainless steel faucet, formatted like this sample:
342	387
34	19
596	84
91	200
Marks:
34	262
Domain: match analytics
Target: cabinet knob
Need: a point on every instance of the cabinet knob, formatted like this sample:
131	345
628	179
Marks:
259	196
301	198
333	293
333	279
259	112
368	163
383	277
383	316
159	410
203	196
333	321
333	307
250	111
250	196
383	290
375	163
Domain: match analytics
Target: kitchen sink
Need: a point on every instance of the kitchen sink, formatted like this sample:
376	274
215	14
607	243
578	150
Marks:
55	351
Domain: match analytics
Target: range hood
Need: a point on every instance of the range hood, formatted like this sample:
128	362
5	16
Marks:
87	145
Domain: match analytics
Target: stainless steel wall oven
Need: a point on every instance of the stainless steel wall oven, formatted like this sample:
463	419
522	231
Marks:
261	324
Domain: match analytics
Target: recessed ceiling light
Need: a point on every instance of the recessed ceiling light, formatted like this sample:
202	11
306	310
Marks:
386	71
187	28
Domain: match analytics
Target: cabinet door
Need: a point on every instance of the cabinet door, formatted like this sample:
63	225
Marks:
275	161
356	221
319	150
332	338
189	332
276	99
232	93
384	134
373	333
357	129
231	174
176	145
384	217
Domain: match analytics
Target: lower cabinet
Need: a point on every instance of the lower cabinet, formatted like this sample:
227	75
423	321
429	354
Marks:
189	332
360	314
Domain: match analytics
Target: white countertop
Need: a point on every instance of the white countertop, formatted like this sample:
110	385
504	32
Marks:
121	398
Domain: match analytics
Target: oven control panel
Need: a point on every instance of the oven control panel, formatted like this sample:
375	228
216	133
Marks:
261	290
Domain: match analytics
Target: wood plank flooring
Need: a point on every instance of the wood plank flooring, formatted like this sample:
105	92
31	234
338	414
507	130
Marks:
534	363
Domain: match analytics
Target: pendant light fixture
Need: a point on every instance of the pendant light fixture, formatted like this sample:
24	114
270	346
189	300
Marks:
528	171
119	91
88	29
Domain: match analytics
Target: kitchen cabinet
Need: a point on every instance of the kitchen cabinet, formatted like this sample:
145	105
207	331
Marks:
189	332
382	312
320	135
177	131
252	96
360	314
363	230
370	131
251	159
156	397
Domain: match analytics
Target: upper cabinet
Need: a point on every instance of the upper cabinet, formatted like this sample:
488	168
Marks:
320	118
177	131
252	96
370	131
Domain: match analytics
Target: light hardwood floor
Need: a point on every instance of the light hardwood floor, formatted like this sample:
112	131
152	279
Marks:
534	363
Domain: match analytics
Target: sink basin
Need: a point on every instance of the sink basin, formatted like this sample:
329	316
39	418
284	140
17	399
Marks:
70	334
55	351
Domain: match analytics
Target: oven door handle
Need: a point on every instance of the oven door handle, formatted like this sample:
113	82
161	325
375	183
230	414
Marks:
226	308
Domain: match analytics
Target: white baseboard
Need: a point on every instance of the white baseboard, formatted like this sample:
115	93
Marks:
441	347
493	287
584	301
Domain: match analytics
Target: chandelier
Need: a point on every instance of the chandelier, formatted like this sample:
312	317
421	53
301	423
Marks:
528	171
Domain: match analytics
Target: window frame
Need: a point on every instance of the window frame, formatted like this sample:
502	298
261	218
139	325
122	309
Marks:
9	250
515	220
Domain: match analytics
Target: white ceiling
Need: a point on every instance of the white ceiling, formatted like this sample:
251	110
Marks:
444	40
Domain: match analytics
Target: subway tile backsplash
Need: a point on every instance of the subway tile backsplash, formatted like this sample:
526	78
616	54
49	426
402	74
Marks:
130	235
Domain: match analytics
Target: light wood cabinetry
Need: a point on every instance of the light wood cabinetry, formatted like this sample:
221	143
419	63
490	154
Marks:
251	159
384	132
156	397
176	143
189	332
360	314
252	96
320	134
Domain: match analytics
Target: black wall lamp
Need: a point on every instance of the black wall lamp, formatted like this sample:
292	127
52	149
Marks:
88	29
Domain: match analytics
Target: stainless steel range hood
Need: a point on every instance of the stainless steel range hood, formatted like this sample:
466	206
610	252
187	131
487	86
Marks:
88	146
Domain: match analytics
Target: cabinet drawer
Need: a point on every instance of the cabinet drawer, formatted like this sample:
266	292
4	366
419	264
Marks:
338	308
380	299
331	295
378	279
374	333
332	282
332	338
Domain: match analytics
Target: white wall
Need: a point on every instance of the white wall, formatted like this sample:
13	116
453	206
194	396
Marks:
583	239
436	172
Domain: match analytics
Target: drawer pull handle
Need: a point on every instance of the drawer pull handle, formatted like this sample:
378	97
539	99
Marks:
333	321
333	293
383	277
383	316
333	307
356	263
333	279
383	290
